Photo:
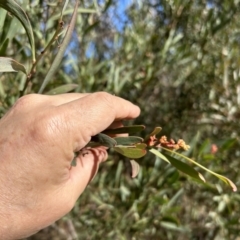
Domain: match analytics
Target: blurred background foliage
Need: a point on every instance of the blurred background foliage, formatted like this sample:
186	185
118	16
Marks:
179	60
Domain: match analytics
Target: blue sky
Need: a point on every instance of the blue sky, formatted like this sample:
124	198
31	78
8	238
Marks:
120	9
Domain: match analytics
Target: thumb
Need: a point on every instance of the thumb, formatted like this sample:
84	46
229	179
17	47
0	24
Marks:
87	164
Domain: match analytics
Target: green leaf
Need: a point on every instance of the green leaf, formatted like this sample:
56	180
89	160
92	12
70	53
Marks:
68	11
172	227
128	140
135	168
3	14
128	129
159	154
154	132
141	145
4	46
130	152
224	179
10	65
64	8
185	168
60	54
13	28
62	89
228	144
102	140
12	7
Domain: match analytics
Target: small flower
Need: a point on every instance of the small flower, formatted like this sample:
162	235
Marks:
163	140
152	140
171	144
214	148
181	143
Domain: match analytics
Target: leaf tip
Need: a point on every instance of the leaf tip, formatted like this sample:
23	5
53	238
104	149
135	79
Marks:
201	177
135	168
234	187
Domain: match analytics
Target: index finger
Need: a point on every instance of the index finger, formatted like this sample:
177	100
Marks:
95	112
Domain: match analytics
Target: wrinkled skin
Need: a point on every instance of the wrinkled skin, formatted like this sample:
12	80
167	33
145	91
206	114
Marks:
39	136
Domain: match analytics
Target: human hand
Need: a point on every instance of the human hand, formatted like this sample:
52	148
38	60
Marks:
39	136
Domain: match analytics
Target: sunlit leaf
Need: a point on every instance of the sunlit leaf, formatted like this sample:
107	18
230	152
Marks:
224	179
3	14
128	129
68	11
130	152
128	140
185	168
12	7
10	65
135	168
62	89
172	227
159	154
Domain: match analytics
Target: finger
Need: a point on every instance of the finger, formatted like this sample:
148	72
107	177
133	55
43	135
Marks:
94	113
86	168
31	101
60	99
114	125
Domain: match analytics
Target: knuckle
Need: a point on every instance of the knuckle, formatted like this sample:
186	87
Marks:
47	127
105	98
25	101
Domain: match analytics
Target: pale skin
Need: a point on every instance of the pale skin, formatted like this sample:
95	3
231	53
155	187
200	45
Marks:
39	136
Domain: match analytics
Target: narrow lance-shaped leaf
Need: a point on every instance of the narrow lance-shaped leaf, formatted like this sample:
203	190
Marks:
224	179
3	14
10	65
60	54
183	167
62	89
64	8
68	11
12	7
180	166
130	152
159	154
3	47
128	129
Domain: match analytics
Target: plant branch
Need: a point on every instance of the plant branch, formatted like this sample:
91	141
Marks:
53	39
